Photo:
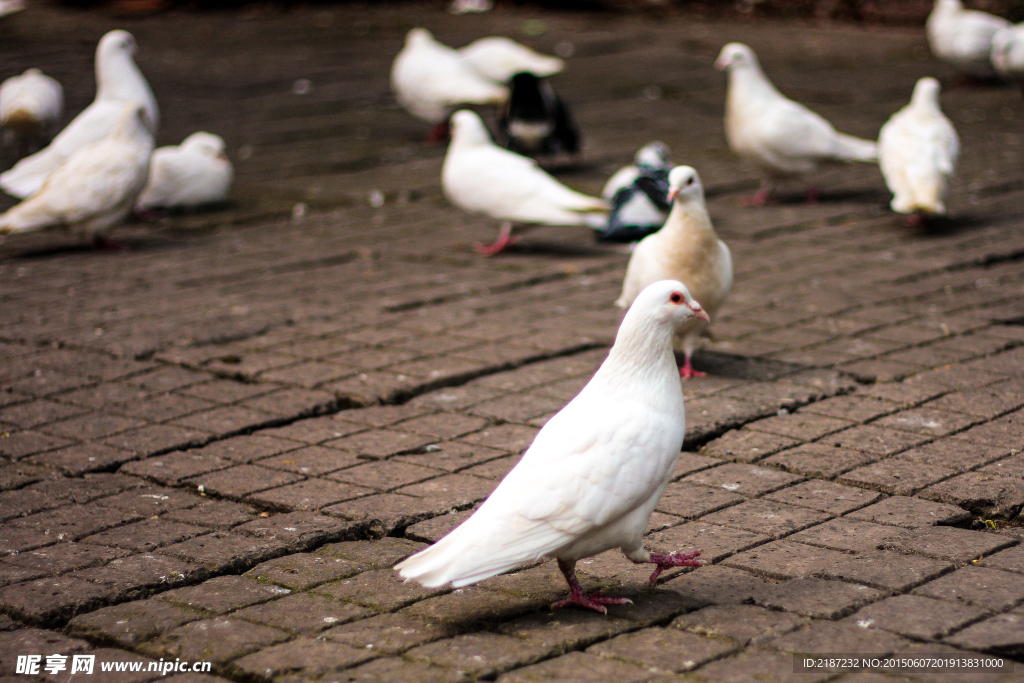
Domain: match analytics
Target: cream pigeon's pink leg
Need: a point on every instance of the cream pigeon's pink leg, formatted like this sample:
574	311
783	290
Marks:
687	371
505	240
593	601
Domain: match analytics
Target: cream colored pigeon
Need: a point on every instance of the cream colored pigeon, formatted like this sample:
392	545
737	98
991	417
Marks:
595	471
685	249
480	177
917	152
96	188
963	37
118	81
781	137
31	106
191	174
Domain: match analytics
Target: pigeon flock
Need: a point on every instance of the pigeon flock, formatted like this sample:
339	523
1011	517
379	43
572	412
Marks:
591	478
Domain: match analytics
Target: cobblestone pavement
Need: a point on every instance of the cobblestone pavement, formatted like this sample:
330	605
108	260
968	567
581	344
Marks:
216	444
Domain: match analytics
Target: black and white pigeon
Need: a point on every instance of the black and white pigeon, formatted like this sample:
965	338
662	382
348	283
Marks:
535	120
639	196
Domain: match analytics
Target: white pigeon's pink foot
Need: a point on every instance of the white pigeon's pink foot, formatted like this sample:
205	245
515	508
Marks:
593	601
439	133
104	243
505	240
759	198
812	195
916	219
687	371
673	560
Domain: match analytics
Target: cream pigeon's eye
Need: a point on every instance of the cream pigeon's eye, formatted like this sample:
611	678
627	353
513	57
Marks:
676	297
689	181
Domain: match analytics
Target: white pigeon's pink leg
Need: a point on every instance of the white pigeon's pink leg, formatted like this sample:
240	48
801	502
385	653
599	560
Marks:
812	195
103	243
759	198
439	133
505	240
687	371
640	555
593	601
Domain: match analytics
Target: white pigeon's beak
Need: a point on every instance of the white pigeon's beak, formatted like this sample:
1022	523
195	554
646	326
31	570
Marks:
699	313
721	63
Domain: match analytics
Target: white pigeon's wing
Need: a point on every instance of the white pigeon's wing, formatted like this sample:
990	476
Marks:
644	268
789	130
430	79
92	184
499	59
179	177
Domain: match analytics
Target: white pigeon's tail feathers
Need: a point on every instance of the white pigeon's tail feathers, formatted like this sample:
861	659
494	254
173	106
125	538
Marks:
849	148
29	174
25	217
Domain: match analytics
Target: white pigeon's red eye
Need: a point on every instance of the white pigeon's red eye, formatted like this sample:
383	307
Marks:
676	297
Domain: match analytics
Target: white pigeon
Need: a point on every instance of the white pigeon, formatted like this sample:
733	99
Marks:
499	59
118	81
638	194
1008	53
9	7
31	106
962	37
917	151
430	80
480	177
781	137
194	173
593	474
96	188
687	249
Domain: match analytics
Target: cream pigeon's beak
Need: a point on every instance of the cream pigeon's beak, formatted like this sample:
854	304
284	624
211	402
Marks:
672	195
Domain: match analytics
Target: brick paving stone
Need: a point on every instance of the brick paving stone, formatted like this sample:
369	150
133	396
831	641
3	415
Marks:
979	586
312	431
394	669
819	460
303	613
385	476
34	640
155	438
451	456
746	480
76	522
817	598
379	444
1002	634
989	495
494	470
688	500
217	640
81	458
927	421
137	576
886	570
242	480
1008	467
717	584
306	656
224	551
744	445
848	535
508	437
688	463
433	529
302	571
251	447
754	664
954	454
384	513
1006	431
1011	560
51	602
174	468
379	589
466	606
852	407
389	633
825	496
826	637
459	490
443	425
215	514
311	494
166	407
987	402
18	475
743	624
224	594
916	617
13	574
781	560
578	666
948	543
663	649
801	426
146	535
478	654
895	476
311	461
14	540
766	517
93	426
298	530
61	558
17	445
911	513
36	413
715	542
876	441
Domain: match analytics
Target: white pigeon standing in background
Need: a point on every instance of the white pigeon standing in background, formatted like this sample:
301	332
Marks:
188	175
499	59
430	79
118	81
96	188
1008	53
963	37
480	177
781	137
917	151
687	249
30	107
9	7
593	474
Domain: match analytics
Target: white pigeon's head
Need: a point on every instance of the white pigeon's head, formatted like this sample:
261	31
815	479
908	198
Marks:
653	154
666	302
684	185
116	43
418	37
206	144
468	129
734	55
926	92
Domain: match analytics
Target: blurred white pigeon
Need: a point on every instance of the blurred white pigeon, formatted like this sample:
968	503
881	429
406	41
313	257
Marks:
499	59
591	478
781	137
480	177
194	173
8	7
96	188
963	37
118	81
430	79
687	249
639	195
917	151
1008	53
30	107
